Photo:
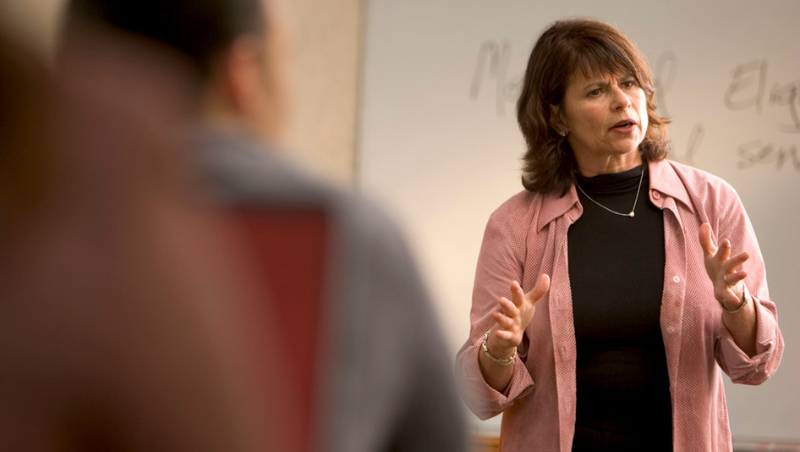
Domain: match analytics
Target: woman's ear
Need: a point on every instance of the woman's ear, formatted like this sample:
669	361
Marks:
557	120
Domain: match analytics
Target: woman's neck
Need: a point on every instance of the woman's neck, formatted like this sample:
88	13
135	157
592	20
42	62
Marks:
590	166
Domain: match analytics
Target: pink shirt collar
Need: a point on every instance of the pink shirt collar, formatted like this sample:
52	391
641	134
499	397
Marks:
663	179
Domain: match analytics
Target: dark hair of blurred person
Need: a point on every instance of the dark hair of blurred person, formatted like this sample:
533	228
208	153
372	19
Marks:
124	321
234	50
201	30
369	359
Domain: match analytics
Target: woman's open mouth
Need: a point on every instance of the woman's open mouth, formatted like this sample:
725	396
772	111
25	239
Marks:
624	126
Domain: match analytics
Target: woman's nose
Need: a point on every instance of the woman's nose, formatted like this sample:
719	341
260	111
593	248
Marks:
620	99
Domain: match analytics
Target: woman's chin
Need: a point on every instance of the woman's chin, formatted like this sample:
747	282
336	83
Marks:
629	145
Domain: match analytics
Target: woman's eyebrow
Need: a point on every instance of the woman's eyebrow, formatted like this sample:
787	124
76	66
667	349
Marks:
599	83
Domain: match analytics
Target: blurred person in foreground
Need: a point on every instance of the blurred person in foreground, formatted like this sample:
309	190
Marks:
612	293
125	314
381	378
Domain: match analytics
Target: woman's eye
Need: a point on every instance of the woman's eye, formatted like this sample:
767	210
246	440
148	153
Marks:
628	84
594	93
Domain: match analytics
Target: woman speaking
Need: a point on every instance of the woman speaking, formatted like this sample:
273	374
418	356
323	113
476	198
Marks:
611	292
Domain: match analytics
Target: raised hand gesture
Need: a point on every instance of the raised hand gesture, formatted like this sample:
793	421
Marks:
722	269
515	315
729	289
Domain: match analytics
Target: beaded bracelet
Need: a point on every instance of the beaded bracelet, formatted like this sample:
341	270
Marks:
501	361
746	298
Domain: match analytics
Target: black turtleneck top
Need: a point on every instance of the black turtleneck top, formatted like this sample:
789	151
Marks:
616	270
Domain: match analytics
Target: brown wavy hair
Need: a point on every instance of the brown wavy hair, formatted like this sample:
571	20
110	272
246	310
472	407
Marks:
592	47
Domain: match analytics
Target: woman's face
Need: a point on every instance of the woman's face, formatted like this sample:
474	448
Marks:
606	119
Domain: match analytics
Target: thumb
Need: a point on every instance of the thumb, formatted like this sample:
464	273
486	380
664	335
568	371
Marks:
705	239
541	288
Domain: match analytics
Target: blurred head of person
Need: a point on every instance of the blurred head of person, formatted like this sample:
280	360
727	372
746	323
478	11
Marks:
236	52
556	116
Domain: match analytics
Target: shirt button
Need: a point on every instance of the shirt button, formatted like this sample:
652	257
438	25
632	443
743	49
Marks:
676	279
656	195
670	329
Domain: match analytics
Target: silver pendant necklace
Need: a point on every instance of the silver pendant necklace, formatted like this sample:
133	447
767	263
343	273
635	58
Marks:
629	214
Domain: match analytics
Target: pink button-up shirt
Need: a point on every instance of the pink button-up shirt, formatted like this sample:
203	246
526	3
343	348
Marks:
527	236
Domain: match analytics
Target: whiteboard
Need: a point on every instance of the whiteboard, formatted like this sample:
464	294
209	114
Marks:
439	142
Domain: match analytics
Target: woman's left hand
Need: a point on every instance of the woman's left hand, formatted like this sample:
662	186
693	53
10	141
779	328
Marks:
722	269
729	289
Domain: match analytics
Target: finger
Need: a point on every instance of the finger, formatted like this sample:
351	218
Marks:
504	335
502	320
731	298
517	295
541	288
706	241
732	279
733	263
509	309
724	252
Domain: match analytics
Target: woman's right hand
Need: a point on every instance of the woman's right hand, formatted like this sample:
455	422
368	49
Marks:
515	316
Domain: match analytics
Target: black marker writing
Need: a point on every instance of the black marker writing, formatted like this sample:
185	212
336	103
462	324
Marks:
748	90
493	63
666	69
787	95
747	86
695	140
757	152
693	144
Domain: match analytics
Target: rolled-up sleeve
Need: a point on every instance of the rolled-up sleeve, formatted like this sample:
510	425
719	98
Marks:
482	399
741	368
757	369
500	262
